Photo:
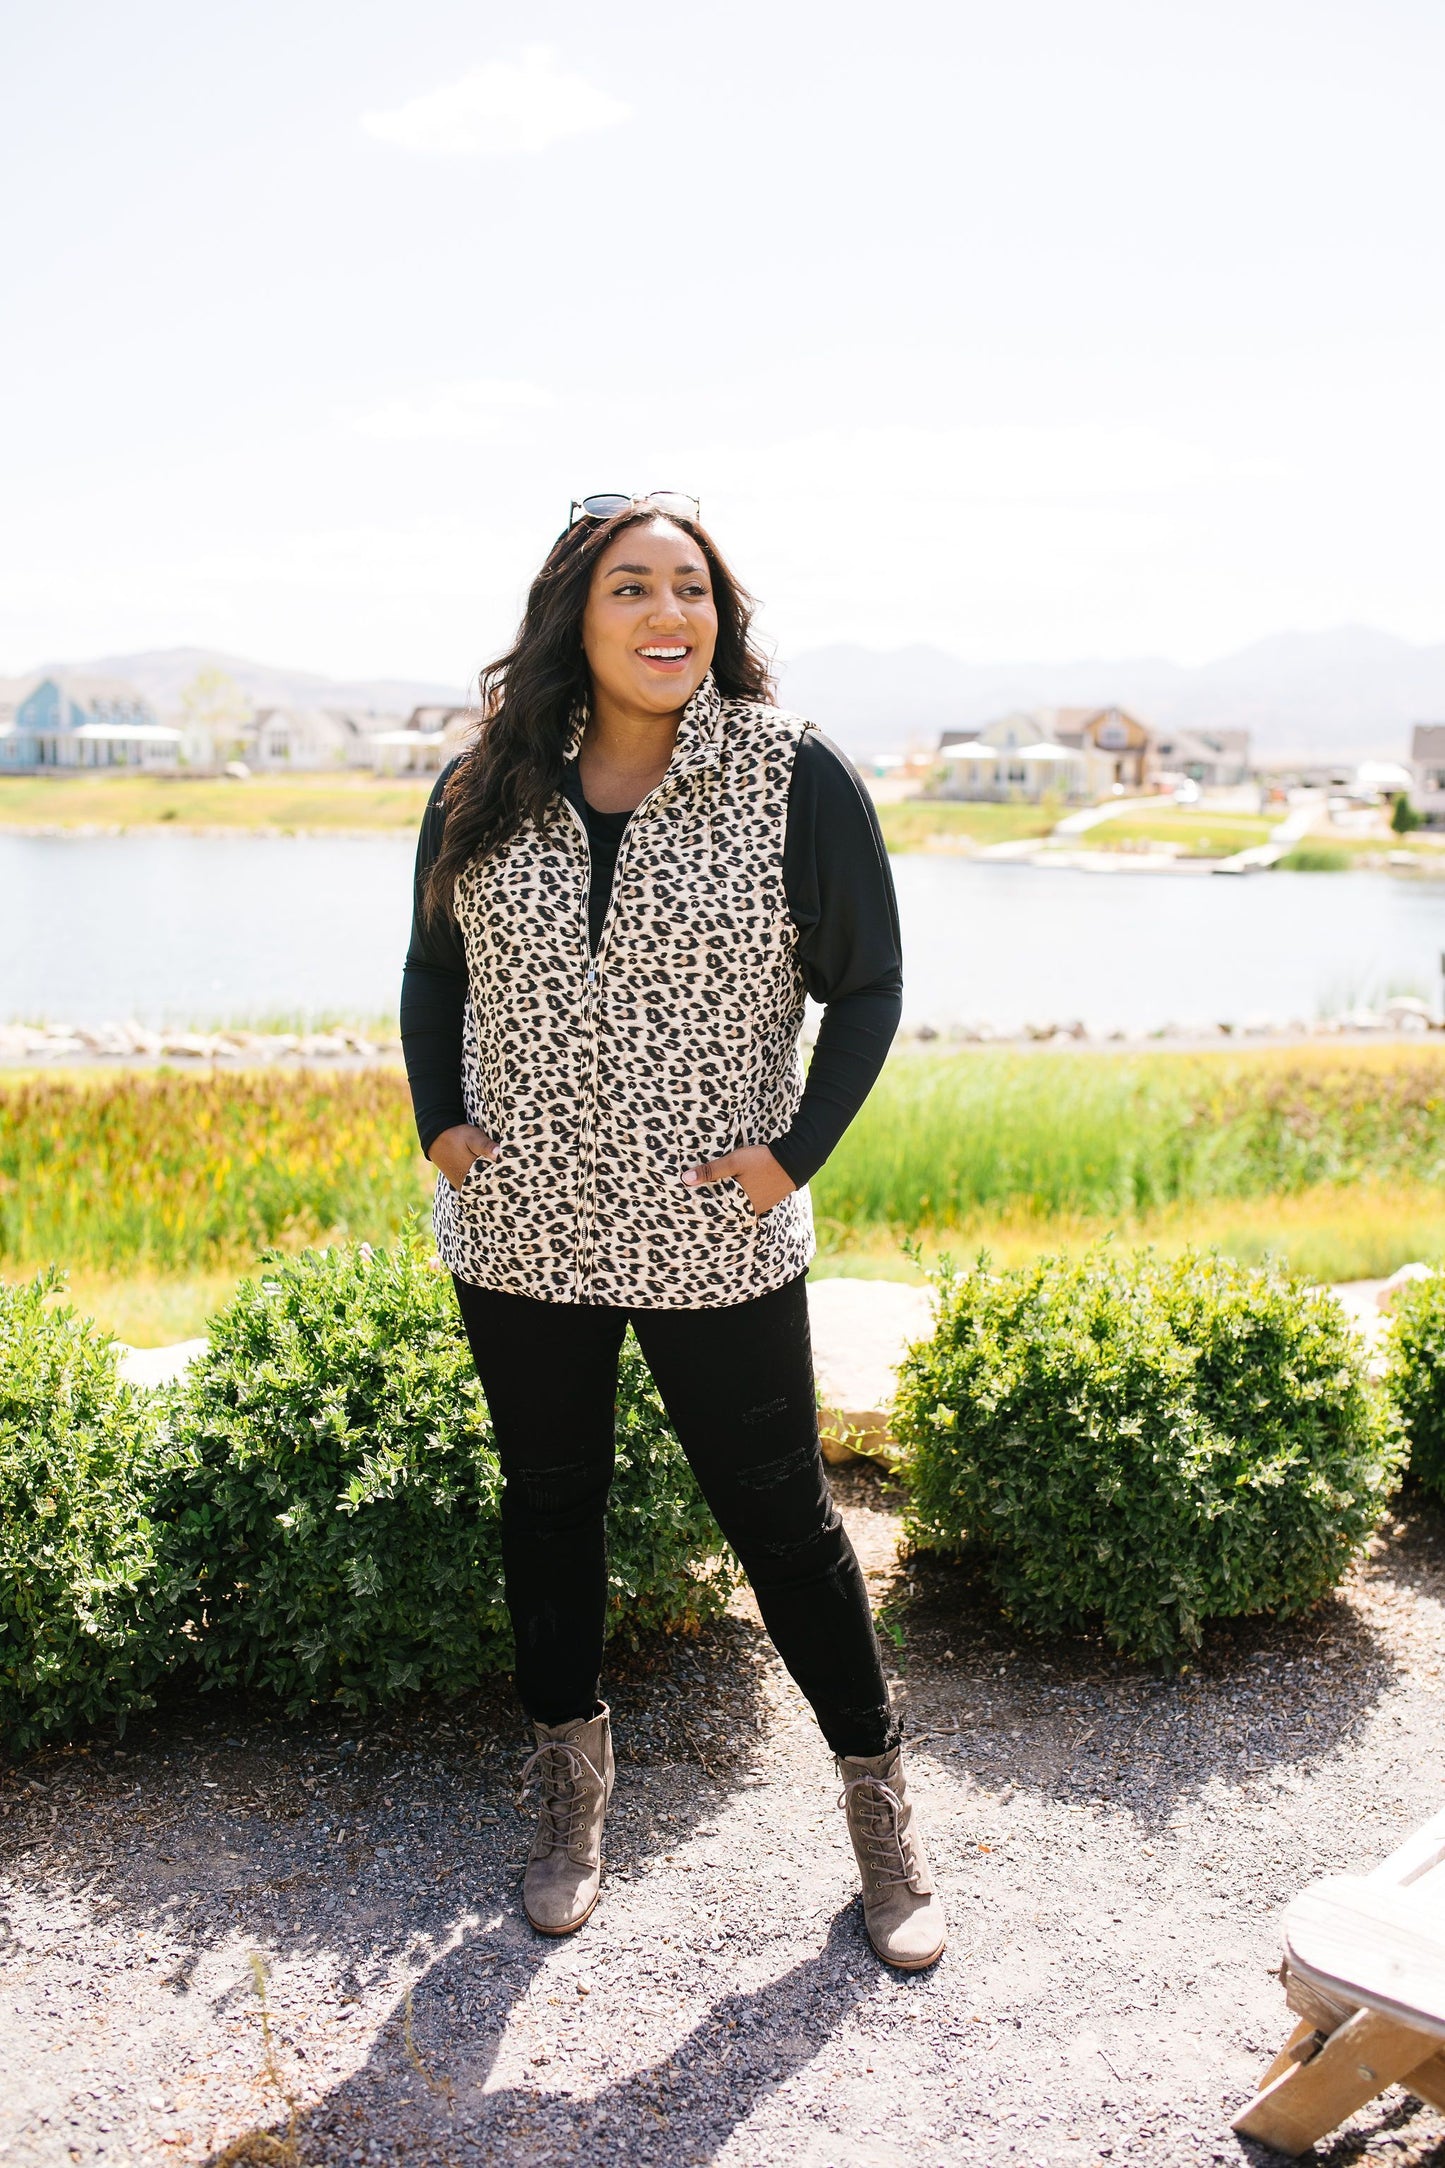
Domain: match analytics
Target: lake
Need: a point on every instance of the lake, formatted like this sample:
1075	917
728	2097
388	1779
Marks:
176	929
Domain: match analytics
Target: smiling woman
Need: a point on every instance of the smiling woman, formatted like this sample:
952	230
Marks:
625	888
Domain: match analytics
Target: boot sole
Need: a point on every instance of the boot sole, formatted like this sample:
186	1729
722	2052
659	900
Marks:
572	1926
907	1964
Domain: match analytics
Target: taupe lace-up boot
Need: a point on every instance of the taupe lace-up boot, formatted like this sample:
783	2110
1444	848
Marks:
901	1909
572	1771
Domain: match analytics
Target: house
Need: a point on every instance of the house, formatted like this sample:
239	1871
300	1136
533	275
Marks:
69	721
1427	766
1117	749
1215	759
1014	758
286	738
425	742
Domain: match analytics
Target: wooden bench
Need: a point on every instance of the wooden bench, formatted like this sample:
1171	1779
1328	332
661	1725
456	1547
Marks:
1364	1972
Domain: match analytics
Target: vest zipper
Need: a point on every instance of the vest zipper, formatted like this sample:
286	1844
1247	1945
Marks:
587	1123
592	1015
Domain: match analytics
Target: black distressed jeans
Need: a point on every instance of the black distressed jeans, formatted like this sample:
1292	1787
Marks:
738	1386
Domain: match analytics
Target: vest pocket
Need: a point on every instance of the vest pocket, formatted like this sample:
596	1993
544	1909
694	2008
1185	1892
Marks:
475	1175
725	1204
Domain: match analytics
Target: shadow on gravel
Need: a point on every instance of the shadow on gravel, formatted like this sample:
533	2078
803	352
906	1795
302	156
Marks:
1263	1699
679	2109
362	1843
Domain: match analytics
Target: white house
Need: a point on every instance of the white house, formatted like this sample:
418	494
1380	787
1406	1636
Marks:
1016	757
287	738
1427	767
68	721
1216	759
425	742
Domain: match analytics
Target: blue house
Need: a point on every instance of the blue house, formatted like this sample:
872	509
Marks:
67	721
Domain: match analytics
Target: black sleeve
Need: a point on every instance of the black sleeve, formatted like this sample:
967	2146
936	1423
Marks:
840	896
433	994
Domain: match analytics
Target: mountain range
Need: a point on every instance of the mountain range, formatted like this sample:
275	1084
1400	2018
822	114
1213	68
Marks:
1347	693
163	674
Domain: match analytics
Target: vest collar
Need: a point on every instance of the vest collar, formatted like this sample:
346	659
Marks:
699	732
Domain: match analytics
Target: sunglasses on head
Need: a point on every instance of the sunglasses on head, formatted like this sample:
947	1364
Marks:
669	501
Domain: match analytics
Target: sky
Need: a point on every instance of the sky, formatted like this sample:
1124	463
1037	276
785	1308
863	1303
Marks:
1030	331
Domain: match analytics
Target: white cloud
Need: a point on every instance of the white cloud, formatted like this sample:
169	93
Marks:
502	107
466	412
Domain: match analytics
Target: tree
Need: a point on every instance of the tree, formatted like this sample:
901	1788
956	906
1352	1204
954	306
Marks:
1403	816
216	711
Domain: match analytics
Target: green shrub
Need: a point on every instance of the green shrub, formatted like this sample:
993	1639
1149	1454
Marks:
1134	1446
84	1628
1404	818
334	1515
1416	1377
1314	858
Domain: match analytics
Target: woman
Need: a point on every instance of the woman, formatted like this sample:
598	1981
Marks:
625	885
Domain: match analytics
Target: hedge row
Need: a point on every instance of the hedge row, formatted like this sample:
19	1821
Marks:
1124	1446
1135	1447
314	1511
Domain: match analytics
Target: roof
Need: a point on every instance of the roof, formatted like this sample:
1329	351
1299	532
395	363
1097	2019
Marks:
1429	742
85	689
128	733
435	715
1192	743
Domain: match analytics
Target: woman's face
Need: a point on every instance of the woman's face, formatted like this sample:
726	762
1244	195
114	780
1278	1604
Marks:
650	625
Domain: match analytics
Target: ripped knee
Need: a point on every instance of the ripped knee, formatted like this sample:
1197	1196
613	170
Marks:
770	1473
819	1551
568	1493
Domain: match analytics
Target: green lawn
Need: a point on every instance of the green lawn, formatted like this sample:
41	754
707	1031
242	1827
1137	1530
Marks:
1427	850
1197	833
266	801
918	824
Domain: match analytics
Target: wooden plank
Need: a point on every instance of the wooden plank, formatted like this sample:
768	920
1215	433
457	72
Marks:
1420	1854
1367	2053
1287	2060
1428	2080
1324	2012
1373	1944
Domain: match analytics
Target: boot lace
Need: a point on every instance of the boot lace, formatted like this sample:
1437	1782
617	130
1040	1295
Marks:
556	1771
875	1815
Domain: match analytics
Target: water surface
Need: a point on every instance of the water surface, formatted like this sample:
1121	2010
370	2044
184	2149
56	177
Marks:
193	929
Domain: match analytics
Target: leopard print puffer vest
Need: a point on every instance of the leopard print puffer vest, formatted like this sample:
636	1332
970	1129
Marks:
603	1078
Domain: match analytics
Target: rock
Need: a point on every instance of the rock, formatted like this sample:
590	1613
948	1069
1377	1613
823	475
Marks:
860	1330
154	1366
1388	1291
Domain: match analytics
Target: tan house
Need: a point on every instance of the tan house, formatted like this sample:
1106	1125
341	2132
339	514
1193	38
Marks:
1117	749
1427	765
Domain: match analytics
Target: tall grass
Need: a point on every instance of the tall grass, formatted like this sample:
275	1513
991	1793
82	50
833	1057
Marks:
945	1139
164	1173
171	1172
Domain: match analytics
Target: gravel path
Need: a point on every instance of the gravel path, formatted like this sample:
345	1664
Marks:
1114	1845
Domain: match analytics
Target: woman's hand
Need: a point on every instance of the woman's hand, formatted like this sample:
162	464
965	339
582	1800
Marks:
755	1167
456	1151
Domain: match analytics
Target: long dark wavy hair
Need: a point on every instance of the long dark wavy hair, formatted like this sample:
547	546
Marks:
511	771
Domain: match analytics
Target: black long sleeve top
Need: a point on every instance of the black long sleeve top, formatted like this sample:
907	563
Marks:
840	898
